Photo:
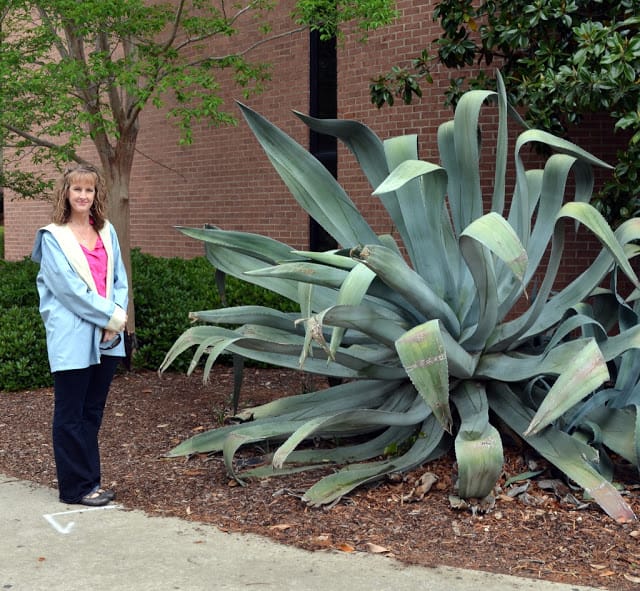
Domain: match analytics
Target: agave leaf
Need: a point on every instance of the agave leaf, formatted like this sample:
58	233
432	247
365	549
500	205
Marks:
359	452
490	232
364	144
256	246
552	195
360	418
616	425
352	291
213	440
312	185
467	148
424	358
543	313
430	444
357	393
404	201
225	251
190	338
374	322
520	367
248	315
583	373
502	143
253	433
571	456
592	219
494	232
393	270
480	261
420	189
303	272
478	445
333	258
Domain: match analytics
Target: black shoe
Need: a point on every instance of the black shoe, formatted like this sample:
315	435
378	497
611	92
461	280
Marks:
96	498
107	493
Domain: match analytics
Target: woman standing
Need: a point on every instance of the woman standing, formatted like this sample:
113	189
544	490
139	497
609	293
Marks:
83	290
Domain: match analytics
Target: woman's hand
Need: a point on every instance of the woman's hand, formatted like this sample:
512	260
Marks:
107	335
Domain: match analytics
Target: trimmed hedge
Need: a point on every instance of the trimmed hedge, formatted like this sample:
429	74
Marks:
165	291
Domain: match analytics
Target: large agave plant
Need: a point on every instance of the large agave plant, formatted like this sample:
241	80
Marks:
427	328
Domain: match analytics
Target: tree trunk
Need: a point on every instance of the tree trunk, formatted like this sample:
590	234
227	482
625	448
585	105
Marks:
117	166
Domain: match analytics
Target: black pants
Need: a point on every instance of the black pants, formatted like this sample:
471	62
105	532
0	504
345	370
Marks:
80	397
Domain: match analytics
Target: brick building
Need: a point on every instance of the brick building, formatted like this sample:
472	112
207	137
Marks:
224	178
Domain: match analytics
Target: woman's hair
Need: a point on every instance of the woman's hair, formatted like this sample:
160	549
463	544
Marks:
61	207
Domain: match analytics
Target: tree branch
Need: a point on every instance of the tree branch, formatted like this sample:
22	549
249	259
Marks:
37	141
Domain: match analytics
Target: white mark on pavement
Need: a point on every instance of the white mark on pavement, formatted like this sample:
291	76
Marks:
65	529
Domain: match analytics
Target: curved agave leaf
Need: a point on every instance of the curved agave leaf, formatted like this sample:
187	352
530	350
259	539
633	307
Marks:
320	457
583	374
363	143
304	272
332	258
383	328
311	183
226	252
248	315
430	444
564	451
489	233
353	394
465	133
256	246
424	358
354	419
522	204
420	188
352	291
616	425
544	313
478	445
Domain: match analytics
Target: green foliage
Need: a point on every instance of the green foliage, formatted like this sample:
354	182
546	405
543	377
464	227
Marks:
167	290
560	60
23	352
18	283
1	242
436	328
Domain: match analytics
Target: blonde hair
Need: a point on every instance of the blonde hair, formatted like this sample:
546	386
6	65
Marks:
61	207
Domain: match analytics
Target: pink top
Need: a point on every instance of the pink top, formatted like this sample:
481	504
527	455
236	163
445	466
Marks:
97	259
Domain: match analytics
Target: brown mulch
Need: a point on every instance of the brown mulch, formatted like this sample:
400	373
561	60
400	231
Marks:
540	534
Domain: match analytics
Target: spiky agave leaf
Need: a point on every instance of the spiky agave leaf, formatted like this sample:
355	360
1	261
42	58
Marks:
424	358
569	454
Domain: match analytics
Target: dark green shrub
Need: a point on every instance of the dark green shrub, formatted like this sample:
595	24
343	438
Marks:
18	283
23	352
167	289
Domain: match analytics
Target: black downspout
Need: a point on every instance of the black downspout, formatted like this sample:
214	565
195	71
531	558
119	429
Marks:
323	103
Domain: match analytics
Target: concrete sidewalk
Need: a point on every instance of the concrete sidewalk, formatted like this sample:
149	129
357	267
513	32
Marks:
46	545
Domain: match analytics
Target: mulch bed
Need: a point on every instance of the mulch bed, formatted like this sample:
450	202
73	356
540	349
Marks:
538	534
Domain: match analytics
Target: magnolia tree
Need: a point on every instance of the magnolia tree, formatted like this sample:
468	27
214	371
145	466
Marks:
560	60
74	70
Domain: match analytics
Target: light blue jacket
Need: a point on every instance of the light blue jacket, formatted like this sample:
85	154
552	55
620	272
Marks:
73	312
